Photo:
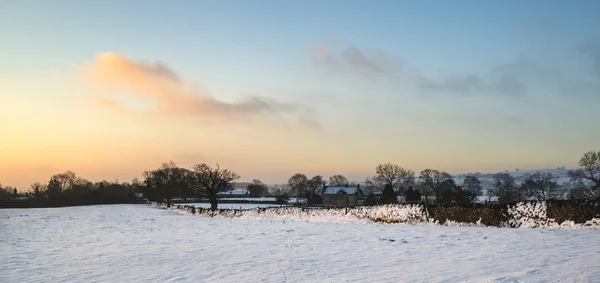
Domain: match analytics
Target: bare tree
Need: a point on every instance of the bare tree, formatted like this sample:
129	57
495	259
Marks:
37	190
542	186
210	181
472	184
257	189
588	173
6	193
167	182
61	183
392	175
338	181
505	188
298	184
437	182
314	183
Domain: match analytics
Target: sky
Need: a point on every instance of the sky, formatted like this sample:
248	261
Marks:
109	88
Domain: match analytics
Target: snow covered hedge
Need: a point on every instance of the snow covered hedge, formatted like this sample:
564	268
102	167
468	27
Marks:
534	215
520	215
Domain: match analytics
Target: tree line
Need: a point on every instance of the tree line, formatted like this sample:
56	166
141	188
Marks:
390	184
395	182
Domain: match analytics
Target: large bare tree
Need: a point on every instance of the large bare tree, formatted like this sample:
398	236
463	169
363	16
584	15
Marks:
37	189
388	174
472	184
298	184
313	184
506	189
588	173
338	181
542	186
436	182
210	181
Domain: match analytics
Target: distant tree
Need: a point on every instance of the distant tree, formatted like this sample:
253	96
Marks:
505	188
579	193
338	181
64	184
389	195
370	200
257	189
54	188
210	181
425	191
588	173
369	188
312	185
542	186
388	174
298	184
6	193
472	185
37	190
167	182
412	195
440	183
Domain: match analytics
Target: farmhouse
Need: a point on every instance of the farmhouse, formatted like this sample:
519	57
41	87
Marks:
346	196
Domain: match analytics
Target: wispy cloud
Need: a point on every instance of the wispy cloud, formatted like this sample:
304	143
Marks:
501	80
352	59
520	77
170	95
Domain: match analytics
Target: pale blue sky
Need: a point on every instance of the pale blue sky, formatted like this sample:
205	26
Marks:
456	85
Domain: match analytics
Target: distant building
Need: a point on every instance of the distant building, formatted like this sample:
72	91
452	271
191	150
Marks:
346	196
238	193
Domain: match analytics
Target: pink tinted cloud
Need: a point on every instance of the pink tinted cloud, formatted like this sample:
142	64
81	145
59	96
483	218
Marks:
170	95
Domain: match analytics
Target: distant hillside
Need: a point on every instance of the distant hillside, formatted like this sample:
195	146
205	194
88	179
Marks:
487	179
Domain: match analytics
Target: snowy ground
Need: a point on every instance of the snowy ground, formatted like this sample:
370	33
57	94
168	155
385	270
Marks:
253	199
233	205
140	243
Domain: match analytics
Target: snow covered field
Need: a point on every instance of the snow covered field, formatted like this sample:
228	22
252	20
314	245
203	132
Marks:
141	243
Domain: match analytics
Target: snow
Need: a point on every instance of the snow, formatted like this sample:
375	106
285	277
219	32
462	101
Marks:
490	199
335	190
233	205
141	243
235	192
253	199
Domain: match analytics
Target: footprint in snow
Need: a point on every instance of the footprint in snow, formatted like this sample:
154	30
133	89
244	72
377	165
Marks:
392	240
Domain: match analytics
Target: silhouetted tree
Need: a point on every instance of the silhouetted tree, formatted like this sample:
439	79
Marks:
439	183
388	174
370	200
338	181
38	190
211	181
588	173
389	195
412	195
505	188
472	185
6	193
166	182
257	189
542	186
298	184
312	185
